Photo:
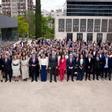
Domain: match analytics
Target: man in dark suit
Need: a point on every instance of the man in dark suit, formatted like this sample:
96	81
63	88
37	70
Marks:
34	67
70	67
1	68
89	65
102	64
7	64
106	67
53	64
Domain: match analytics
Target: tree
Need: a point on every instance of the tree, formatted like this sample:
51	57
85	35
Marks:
30	16
23	27
38	19
47	27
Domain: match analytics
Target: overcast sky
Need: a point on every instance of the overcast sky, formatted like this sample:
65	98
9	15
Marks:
51	4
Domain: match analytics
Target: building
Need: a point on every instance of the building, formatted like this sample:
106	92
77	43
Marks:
16	7
86	20
0	9
8	28
56	13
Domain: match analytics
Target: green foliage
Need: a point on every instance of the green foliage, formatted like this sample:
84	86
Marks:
26	25
47	27
30	16
23	26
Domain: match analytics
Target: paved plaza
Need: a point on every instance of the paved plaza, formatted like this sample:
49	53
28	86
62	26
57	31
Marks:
85	96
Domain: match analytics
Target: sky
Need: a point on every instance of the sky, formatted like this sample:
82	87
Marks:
51	4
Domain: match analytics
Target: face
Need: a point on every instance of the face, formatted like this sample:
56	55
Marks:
63	56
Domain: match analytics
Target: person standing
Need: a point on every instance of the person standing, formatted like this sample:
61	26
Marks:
34	67
43	67
7	63
80	74
24	67
89	64
1	68
16	67
53	64
70	67
97	67
106	67
62	67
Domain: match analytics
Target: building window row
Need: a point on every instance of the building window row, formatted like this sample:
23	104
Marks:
85	25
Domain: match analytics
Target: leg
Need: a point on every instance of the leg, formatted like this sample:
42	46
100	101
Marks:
1	76
68	72
36	75
51	75
10	76
55	75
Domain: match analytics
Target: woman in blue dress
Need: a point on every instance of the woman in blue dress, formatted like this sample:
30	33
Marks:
43	66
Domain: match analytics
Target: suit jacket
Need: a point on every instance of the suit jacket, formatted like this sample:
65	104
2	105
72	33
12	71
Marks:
70	64
89	64
7	65
34	65
53	63
1	64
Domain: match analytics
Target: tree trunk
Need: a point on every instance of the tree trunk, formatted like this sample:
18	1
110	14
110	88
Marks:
38	19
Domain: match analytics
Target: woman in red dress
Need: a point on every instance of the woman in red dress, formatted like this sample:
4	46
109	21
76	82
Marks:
62	67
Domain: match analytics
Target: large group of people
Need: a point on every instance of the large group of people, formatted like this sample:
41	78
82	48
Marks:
52	60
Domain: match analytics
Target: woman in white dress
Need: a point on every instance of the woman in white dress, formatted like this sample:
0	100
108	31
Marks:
16	67
24	67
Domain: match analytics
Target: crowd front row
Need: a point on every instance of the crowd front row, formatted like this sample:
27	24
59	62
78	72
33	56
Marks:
93	66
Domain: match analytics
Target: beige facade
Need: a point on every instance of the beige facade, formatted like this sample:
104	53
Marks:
88	28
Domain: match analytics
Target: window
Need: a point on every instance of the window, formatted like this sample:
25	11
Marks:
83	25
61	25
110	26
68	25
109	37
89	37
97	25
104	25
75	25
90	25
99	37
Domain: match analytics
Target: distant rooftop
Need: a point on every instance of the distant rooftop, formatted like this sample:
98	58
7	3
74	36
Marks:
8	22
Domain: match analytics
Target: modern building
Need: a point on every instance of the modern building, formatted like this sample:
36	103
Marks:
86	20
16	7
8	28
0	9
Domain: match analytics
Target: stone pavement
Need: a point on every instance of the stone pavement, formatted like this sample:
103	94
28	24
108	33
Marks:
85	96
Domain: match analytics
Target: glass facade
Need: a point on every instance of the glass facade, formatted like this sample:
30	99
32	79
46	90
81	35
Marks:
90	25
61	25
68	25
97	25
75	25
83	25
110	26
104	25
89	37
85	8
109	37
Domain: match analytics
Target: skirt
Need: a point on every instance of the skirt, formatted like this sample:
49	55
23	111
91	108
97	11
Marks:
43	73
